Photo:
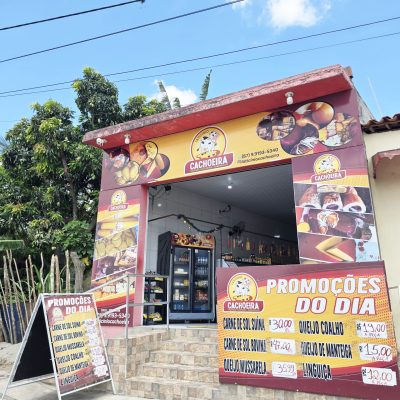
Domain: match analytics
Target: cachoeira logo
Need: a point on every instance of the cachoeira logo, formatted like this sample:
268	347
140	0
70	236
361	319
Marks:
242	291
118	201
327	168
208	151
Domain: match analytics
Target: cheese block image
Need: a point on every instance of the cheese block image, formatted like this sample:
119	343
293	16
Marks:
327	244
344	251
326	249
118	225
132	211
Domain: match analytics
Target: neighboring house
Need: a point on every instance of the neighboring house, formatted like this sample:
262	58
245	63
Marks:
382	142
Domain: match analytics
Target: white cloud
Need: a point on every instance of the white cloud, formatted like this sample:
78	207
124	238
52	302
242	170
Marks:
241	4
282	14
185	96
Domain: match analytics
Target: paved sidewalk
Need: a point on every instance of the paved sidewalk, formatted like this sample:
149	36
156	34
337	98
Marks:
46	390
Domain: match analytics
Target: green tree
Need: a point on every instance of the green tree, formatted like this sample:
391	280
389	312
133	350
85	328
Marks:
139	107
97	101
50	178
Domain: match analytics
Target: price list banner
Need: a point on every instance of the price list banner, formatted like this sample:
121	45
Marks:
79	355
316	328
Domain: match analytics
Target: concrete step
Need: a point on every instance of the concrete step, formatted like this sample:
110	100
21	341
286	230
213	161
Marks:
169	389
184	358
180	372
199	333
210	347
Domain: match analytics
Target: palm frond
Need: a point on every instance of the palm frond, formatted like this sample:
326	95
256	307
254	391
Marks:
205	87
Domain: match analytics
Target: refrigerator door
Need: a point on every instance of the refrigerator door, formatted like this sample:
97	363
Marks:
202	280
180	279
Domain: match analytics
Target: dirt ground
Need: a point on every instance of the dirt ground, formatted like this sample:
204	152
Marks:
44	390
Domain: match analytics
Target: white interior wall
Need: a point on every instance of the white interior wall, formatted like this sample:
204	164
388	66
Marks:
179	201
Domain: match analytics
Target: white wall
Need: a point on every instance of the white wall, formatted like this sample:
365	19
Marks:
179	201
385	190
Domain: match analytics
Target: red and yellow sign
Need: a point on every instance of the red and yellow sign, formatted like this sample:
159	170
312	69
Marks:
316	328
79	352
115	248
334	211
259	139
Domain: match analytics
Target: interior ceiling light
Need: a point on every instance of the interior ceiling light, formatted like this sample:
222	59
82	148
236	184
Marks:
159	204
230	186
277	236
289	98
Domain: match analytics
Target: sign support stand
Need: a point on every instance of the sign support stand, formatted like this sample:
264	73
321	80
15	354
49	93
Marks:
35	341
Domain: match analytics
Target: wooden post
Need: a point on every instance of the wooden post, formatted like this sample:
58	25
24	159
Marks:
79	268
67	273
32	279
52	273
8	299
57	267
21	289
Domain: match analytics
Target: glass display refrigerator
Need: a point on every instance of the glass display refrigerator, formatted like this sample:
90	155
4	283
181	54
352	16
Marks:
189	261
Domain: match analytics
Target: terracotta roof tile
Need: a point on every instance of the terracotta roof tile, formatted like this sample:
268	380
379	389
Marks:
385	124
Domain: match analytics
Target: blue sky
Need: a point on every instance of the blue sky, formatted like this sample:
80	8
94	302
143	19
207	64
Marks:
250	23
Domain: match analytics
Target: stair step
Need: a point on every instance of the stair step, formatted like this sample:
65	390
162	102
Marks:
191	346
168	389
181	372
184	358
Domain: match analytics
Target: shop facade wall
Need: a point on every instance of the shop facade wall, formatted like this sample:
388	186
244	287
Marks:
180	201
386	194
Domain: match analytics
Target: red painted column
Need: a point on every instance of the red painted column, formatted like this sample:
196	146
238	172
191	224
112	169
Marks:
141	255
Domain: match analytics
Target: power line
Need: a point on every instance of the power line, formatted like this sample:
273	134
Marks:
40	21
121	31
223	64
215	54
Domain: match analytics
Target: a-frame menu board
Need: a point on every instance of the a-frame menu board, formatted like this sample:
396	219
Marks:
63	340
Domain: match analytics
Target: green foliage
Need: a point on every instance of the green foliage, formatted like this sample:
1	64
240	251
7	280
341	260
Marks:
177	103
139	107
97	101
164	99
50	180
7	244
76	235
205	87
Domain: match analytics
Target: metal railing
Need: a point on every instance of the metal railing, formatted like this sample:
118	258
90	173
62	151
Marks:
129	277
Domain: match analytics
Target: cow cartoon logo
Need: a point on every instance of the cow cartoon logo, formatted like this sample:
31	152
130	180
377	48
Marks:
327	167
243	287
242	290
209	142
118	200
208	150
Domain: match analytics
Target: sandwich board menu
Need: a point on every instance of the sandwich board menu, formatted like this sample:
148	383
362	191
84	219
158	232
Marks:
321	328
63	340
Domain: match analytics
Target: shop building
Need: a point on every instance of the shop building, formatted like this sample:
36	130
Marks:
208	166
275	176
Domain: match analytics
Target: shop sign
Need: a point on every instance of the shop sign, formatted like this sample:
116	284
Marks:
334	211
115	249
65	335
208	151
269	137
322	328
